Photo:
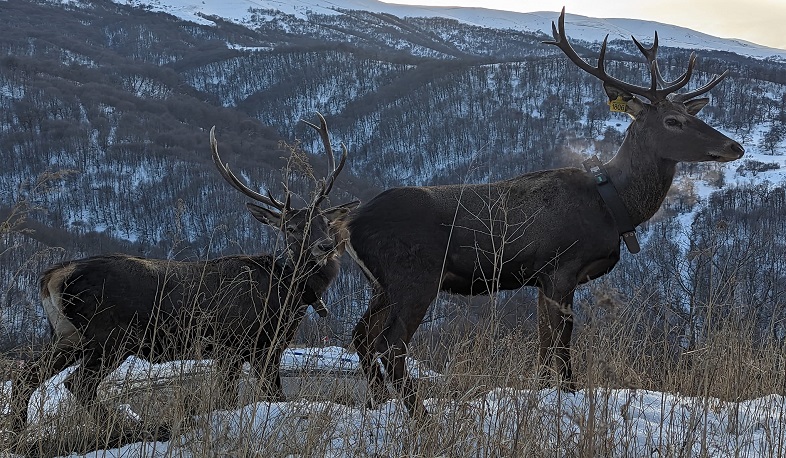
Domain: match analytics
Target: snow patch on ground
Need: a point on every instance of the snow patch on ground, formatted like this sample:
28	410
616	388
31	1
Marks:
641	422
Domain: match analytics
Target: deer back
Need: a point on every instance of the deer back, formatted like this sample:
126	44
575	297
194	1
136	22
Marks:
473	236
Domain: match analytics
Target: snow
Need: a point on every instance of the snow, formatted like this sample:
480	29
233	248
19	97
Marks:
581	27
338	359
640	422
644	423
249	48
53	396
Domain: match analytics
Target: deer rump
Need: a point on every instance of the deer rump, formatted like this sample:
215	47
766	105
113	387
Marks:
229	307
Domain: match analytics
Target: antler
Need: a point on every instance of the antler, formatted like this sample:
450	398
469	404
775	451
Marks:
651	54
333	171
223	169
659	89
685	96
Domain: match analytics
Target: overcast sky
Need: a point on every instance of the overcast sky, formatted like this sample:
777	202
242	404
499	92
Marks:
759	21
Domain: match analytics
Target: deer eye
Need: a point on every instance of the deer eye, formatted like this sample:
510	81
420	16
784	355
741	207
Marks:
672	122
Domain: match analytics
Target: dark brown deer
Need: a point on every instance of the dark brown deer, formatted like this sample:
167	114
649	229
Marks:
550	229
235	308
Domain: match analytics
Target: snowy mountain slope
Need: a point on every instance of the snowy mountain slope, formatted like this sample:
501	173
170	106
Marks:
581	27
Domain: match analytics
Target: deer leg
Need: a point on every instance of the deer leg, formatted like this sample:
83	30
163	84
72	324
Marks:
406	314
83	383
266	355
394	360
555	326
99	360
58	357
366	332
266	363
228	375
122	425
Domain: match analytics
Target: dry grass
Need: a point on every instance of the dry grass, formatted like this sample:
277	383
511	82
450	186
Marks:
486	404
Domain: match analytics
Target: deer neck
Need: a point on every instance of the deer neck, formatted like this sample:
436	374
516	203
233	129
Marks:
642	179
317	274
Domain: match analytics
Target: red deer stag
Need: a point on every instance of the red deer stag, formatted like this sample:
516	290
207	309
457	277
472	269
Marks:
235	308
553	229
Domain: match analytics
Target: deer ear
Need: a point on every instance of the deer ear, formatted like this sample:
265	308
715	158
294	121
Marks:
694	106
264	215
341	211
633	106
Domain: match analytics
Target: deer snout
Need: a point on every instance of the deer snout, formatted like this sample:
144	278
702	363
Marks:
732	151
323	247
738	149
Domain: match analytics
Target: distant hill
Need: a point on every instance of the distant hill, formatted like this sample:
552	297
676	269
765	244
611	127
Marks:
247	13
105	110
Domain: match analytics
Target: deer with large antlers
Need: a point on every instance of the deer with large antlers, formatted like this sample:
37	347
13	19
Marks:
235	309
553	229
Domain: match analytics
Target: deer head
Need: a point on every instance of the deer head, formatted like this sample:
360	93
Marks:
667	121
311	233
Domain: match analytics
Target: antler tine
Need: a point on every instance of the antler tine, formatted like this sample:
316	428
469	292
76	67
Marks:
323	133
230	177
286	205
667	87
333	171
332	178
561	41
681	81
651	54
695	93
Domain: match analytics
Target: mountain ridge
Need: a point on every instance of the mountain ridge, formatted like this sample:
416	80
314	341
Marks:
582	27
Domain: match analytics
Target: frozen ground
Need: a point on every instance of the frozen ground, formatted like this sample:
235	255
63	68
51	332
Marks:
631	422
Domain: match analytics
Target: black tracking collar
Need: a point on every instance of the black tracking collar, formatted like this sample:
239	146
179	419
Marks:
612	199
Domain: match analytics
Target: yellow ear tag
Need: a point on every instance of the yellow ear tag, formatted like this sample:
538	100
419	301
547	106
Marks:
618	105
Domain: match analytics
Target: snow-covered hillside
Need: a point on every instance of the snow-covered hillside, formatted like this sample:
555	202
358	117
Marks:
581	27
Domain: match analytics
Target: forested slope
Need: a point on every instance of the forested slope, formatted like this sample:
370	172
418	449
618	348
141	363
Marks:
105	109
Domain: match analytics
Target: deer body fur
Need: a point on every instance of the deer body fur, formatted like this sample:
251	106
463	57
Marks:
234	309
246	303
549	229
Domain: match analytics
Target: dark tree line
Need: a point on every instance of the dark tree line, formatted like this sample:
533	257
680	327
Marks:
118	101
